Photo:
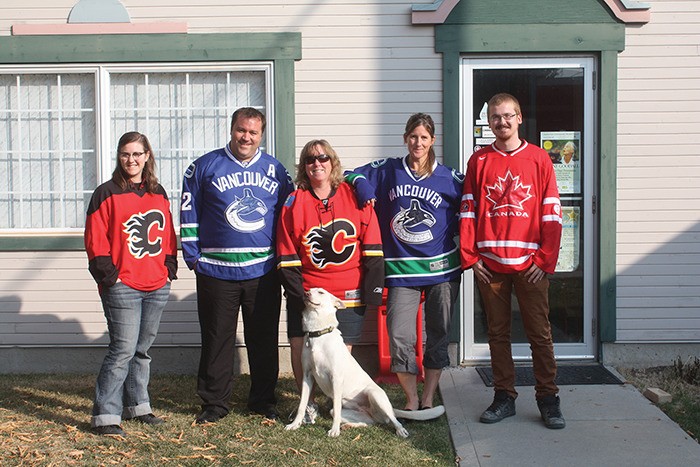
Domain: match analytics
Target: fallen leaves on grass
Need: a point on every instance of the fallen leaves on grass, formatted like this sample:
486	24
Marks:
76	454
239	436
297	452
194	456
206	447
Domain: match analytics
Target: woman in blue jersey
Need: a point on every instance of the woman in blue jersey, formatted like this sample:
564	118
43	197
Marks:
417	203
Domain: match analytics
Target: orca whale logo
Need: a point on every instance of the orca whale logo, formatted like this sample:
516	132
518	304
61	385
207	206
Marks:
412	225
246	214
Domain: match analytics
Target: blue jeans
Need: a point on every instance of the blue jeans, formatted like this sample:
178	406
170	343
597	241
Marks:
133	318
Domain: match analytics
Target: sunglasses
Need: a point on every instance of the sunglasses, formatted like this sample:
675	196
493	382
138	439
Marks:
321	158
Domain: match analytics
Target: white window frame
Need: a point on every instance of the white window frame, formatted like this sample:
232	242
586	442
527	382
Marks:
104	140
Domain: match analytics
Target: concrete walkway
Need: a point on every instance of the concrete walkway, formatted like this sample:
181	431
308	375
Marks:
606	425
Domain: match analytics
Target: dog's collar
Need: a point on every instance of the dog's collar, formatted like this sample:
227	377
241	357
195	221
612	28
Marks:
321	332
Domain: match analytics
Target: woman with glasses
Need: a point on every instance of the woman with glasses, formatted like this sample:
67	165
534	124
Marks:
325	239
132	252
417	201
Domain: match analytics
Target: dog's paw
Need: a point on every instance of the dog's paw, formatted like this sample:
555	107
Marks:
334	432
402	432
292	426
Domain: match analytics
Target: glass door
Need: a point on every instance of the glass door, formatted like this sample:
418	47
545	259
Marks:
557	98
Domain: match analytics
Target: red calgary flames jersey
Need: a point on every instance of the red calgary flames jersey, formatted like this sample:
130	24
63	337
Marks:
334	243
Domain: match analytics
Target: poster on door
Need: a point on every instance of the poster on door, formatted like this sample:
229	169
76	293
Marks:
483	136
570	238
564	148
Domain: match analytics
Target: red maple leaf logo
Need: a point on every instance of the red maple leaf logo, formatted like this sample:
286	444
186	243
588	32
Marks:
508	192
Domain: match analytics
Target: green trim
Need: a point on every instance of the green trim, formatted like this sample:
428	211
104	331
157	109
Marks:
115	48
239	258
533	12
420	267
451	105
46	243
42	243
533	38
285	135
281	48
190	232
607	204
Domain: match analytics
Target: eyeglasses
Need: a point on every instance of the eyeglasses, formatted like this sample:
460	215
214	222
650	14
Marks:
497	118
135	155
321	158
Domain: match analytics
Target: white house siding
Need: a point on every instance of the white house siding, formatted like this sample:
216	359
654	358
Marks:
49	299
365	69
658	225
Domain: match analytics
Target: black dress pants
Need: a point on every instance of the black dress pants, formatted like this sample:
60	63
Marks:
218	302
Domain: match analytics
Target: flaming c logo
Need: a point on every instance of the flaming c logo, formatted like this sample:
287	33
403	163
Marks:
333	243
139	227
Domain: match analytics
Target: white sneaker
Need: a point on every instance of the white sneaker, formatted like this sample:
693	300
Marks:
310	414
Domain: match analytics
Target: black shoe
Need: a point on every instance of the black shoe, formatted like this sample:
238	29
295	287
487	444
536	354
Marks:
503	406
109	430
269	412
149	419
208	416
551	413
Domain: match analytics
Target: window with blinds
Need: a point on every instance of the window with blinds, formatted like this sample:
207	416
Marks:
59	129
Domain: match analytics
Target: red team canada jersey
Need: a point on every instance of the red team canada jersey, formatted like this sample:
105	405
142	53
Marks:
335	245
510	214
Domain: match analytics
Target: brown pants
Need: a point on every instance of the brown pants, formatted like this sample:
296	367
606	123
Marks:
534	308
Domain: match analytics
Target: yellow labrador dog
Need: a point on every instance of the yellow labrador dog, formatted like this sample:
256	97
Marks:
357	399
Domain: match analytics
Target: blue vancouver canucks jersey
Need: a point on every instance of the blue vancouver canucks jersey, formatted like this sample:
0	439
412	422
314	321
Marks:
418	217
229	213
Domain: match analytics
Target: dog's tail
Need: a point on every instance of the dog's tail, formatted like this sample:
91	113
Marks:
423	414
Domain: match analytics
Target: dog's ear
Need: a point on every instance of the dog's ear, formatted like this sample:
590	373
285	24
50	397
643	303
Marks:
339	304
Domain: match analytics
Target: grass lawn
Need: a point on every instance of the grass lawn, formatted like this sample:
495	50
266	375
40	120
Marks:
682	381
45	420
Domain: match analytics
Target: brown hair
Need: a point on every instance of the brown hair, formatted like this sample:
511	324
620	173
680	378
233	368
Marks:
248	112
500	98
302	178
148	176
426	121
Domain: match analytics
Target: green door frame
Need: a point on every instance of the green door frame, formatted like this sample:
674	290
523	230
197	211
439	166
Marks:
604	41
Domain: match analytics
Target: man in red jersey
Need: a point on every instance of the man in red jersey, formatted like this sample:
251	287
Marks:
510	231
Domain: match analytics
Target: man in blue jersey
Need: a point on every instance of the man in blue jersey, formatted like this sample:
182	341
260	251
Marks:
231	198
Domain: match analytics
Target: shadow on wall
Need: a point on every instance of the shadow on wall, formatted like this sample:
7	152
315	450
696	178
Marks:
53	343
658	285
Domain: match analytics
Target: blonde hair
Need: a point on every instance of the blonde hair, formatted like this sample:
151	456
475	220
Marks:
302	178
502	97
